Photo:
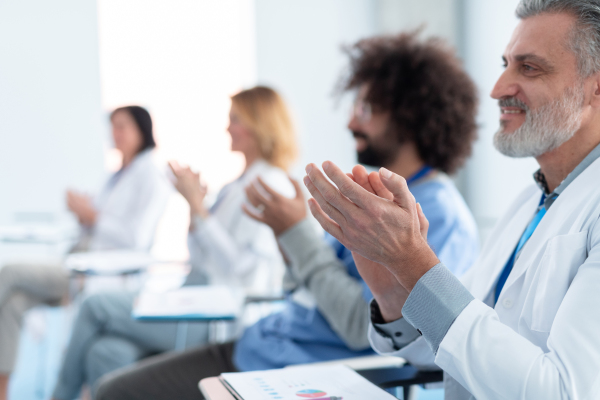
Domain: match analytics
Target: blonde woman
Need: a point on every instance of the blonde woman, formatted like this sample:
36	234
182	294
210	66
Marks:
226	247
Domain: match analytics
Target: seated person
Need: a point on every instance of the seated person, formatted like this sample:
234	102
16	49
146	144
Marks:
226	247
124	216
420	134
523	323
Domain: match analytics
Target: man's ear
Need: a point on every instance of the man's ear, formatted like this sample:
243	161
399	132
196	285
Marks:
595	99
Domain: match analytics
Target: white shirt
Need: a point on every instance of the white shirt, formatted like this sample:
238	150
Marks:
231	248
540	340
130	206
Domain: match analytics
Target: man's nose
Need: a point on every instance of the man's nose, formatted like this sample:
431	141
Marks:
506	86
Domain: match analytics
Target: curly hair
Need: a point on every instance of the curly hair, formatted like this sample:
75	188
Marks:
431	99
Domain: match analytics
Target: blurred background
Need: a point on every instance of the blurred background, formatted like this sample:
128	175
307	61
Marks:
65	64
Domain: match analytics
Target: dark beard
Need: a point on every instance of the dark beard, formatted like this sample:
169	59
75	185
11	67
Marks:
380	155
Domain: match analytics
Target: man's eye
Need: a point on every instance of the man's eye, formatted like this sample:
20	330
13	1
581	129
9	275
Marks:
528	68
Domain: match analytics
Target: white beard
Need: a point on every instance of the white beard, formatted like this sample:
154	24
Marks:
545	128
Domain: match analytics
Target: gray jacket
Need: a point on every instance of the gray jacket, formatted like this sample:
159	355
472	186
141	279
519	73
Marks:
313	264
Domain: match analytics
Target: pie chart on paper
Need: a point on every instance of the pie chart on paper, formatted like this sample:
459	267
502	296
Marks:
311	394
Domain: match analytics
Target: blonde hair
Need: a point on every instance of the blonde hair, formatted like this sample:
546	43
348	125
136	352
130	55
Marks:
263	111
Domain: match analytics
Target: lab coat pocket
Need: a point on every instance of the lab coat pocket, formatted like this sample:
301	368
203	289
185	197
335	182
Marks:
563	256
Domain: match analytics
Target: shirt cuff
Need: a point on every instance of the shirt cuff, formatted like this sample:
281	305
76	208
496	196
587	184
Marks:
435	302
197	222
400	332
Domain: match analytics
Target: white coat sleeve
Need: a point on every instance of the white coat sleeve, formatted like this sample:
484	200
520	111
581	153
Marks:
235	257
209	238
492	361
134	226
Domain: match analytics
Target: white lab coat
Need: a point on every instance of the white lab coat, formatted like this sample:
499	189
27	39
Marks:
130	208
233	249
542	339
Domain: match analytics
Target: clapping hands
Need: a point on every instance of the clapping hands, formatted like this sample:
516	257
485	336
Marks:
81	205
187	182
389	230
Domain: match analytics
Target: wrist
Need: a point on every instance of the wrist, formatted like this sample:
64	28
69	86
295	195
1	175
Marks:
391	302
279	230
197	208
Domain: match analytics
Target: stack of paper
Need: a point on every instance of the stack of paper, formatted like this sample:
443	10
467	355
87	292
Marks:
37	233
196	303
113	262
302	383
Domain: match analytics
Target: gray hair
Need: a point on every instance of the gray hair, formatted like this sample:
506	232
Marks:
585	38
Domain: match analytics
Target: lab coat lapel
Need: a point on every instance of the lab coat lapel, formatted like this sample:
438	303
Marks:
502	242
229	209
564	217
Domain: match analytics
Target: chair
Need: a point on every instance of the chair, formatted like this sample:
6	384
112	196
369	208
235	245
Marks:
404	377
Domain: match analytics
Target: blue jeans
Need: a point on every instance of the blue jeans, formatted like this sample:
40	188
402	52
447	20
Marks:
105	338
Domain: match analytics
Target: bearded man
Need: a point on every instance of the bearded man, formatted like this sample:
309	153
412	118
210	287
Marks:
524	322
415	114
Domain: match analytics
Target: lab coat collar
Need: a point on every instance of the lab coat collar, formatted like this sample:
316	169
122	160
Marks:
540	179
255	169
567	206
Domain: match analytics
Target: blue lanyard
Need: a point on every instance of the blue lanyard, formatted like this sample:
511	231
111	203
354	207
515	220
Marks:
420	174
526	235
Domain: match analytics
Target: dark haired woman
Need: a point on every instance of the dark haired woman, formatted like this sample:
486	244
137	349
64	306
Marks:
123	216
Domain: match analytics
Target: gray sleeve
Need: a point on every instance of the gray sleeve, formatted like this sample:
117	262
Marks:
435	302
338	295
400	332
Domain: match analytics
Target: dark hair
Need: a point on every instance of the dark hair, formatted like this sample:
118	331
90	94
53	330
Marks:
143	121
431	99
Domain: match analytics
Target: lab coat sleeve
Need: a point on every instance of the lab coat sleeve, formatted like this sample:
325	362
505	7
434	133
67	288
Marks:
492	361
135	226
234	259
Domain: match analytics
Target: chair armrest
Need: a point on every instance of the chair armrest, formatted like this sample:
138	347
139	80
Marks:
263	298
401	377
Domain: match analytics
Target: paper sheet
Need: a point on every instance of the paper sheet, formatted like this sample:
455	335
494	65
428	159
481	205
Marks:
109	262
304	383
189	302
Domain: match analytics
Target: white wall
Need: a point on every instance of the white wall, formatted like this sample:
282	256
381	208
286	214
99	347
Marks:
435	17
51	124
182	60
298	53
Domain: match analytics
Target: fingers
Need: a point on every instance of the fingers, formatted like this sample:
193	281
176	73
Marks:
327	223
362	178
253	215
399	189
326	191
298	188
175	167
267	188
346	186
255	197
379	187
423	222
324	205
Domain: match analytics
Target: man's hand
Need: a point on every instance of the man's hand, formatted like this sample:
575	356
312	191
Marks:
388	232
187	182
386	289
81	206
279	212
